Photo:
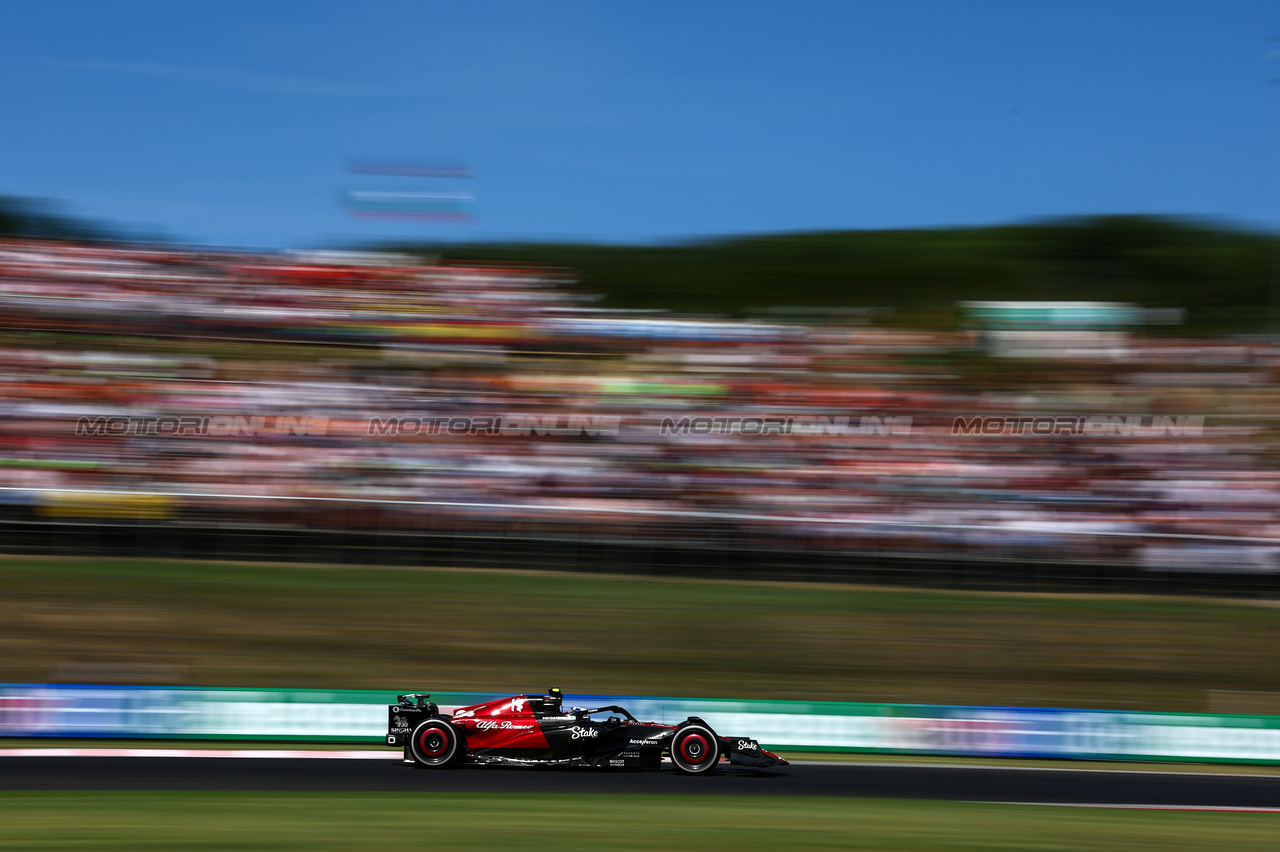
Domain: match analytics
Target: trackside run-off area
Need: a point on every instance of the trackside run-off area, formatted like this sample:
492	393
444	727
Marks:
211	624
346	627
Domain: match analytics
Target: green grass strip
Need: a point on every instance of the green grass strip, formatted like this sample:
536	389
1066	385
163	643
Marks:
198	821
326	627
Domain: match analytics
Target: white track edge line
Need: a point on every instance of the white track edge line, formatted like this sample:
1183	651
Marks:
288	754
1188	773
1210	808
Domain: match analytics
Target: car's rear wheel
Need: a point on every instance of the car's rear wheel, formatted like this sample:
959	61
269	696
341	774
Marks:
434	743
694	750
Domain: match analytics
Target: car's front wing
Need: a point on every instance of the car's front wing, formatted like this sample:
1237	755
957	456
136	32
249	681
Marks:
742	751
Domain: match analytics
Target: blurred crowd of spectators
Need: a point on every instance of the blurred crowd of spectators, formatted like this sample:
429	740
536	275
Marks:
339	341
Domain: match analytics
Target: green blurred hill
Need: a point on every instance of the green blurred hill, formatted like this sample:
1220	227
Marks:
1223	277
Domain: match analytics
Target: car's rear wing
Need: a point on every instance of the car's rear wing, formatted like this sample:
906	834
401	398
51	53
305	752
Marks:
418	701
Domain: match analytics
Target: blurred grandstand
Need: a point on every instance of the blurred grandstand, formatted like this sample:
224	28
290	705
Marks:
301	361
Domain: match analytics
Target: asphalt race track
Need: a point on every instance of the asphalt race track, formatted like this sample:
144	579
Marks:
1058	786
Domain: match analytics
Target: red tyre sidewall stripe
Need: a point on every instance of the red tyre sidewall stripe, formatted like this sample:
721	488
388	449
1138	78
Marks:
684	749
444	741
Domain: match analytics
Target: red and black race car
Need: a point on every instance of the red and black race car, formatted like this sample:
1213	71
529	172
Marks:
534	730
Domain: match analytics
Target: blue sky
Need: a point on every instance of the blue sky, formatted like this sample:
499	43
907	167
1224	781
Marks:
232	123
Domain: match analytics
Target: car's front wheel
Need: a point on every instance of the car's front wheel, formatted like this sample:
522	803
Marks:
434	744
694	750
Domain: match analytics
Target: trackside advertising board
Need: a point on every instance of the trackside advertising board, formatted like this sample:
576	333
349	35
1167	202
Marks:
32	710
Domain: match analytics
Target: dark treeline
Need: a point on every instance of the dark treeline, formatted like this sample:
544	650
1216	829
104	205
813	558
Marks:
1225	279
30	218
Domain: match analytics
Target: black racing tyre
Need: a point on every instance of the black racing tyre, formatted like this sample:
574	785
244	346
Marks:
695	750
434	743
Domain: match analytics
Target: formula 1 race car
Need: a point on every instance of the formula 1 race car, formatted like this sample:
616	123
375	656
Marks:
533	730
